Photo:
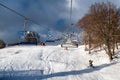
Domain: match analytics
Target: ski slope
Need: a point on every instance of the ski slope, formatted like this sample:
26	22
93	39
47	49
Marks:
56	63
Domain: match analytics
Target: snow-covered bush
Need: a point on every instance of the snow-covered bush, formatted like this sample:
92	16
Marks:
2	44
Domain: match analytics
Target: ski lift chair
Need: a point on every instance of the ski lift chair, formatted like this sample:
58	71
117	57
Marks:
29	37
68	43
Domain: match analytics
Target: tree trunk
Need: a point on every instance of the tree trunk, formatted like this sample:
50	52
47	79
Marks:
113	49
109	52
116	45
100	47
110	55
89	43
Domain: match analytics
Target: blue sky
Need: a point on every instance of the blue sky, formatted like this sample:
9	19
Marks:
53	14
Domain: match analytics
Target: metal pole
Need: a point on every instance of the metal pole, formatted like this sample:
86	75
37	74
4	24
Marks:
25	22
71	13
71	24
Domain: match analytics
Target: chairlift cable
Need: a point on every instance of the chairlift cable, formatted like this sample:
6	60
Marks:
26	18
13	10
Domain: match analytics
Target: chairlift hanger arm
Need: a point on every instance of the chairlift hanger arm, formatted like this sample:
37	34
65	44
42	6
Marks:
71	13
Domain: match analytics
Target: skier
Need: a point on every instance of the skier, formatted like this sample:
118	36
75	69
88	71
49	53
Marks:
91	63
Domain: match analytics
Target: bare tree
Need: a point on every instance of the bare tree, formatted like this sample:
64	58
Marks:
101	24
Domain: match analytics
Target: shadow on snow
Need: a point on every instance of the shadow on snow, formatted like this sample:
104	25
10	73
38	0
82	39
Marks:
38	74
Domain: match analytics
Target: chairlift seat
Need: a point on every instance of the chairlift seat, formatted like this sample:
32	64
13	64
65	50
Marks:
70	44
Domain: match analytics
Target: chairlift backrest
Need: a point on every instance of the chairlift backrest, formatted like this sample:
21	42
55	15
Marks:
29	36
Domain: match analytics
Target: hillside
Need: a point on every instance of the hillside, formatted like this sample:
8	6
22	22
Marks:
55	63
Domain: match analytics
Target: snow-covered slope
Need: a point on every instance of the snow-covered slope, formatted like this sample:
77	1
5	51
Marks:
55	63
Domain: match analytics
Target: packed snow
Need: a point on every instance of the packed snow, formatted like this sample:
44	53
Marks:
27	62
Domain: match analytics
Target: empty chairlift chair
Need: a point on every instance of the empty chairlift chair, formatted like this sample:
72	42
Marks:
68	43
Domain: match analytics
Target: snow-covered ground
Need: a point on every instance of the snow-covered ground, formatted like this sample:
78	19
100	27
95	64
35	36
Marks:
56	63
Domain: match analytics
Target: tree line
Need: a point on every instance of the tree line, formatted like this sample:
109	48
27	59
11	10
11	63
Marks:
101	25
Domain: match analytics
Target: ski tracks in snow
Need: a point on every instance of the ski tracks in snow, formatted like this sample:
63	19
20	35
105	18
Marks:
46	59
54	57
